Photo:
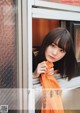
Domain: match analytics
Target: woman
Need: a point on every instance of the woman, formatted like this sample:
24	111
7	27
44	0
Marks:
57	47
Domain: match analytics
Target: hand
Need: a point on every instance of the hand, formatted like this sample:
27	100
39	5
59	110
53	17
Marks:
51	71
41	68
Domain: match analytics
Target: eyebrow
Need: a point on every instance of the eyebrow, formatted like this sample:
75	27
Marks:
55	43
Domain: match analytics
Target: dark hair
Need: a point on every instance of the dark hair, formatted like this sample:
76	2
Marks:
67	65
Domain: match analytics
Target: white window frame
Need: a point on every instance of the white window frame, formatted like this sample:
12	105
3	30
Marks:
51	10
19	55
39	9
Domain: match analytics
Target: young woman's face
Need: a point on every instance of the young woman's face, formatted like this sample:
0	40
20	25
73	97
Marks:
53	53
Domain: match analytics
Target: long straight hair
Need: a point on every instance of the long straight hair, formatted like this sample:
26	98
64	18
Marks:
68	64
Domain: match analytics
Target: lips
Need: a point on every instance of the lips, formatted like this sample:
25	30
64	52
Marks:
52	57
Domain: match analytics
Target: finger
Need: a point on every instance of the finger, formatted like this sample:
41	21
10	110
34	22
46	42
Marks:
43	64
51	71
40	70
43	69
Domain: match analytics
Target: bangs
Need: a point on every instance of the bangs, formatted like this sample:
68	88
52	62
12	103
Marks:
62	43
61	37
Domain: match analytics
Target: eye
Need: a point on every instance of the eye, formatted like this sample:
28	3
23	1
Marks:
63	51
53	45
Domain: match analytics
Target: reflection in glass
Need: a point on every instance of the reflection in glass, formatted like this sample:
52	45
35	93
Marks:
69	2
8	53
77	41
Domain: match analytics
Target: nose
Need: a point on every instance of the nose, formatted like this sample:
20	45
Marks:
55	51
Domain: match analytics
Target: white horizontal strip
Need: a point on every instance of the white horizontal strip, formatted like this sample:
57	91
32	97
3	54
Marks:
53	5
55	14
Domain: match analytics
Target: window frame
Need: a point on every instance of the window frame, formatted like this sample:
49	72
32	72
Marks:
39	9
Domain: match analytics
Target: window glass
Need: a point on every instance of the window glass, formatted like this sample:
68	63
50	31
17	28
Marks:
8	49
77	43
8	55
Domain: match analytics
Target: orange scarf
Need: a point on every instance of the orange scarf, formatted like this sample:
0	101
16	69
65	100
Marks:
51	94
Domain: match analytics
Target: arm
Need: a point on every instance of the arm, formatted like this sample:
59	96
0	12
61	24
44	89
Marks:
35	75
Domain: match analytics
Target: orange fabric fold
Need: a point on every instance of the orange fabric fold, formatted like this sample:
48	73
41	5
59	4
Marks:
51	93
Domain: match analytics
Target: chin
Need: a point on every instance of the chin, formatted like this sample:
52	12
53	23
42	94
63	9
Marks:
50	60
